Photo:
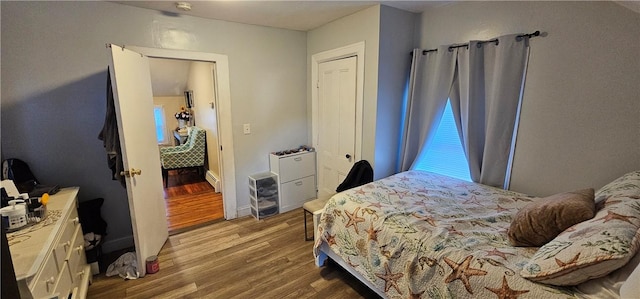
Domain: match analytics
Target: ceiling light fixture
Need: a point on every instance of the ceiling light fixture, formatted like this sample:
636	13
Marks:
184	6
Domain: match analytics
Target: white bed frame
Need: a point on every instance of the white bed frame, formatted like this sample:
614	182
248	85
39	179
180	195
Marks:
326	252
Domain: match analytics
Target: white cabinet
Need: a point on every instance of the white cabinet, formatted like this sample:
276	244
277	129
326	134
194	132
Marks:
296	178
48	257
263	194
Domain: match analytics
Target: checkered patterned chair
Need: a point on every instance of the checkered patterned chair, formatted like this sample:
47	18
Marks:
190	154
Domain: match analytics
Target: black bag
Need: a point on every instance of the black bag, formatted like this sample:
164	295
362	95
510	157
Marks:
19	172
361	173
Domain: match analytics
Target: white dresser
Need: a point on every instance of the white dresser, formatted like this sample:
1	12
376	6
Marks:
296	178
48	257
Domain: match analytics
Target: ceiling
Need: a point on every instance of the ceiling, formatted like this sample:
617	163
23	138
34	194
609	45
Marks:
168	76
302	15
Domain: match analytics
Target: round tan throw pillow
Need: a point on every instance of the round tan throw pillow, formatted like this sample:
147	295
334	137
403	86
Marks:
542	220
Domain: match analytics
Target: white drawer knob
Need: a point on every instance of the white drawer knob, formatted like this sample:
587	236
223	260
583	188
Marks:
49	283
80	248
66	244
80	274
50	280
75	220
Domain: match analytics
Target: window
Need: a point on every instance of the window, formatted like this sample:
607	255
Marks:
445	155
158	115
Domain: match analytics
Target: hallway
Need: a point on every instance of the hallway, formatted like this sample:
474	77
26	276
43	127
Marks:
191	202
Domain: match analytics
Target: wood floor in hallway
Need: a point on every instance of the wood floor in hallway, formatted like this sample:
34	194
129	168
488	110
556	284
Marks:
191	202
239	258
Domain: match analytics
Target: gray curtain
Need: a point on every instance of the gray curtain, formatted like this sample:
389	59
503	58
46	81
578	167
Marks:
429	86
485	99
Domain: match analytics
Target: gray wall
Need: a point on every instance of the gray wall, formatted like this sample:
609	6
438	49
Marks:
361	26
53	90
396	42
580	124
389	37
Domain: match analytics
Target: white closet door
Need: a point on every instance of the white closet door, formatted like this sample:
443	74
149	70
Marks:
336	123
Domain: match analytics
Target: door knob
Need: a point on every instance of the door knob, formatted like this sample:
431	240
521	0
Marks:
131	173
347	156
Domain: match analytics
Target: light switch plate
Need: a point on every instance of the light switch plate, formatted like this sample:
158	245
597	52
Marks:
247	129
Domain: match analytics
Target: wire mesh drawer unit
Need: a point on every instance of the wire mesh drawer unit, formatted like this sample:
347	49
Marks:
263	192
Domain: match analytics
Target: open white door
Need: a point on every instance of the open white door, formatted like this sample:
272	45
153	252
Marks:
133	97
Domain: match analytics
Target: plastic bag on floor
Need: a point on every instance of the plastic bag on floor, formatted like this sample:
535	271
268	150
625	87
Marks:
125	266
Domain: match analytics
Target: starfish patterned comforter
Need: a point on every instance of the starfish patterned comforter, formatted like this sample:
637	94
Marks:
421	235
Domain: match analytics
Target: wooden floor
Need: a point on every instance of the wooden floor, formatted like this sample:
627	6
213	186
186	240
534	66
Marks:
240	258
191	202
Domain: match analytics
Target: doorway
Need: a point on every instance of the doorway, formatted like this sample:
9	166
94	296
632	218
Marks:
191	202
184	99
131	85
223	107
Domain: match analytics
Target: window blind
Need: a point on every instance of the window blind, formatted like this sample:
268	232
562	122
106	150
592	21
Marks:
445	155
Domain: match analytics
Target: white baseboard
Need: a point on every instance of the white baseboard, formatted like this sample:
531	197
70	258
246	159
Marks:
244	211
117	244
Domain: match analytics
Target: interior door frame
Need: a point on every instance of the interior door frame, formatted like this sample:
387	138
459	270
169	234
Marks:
357	50
222	94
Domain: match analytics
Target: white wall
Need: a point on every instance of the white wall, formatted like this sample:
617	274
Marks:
361	26
580	124
201	82
53	90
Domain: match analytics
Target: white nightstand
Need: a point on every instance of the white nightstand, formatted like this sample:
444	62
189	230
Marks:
296	178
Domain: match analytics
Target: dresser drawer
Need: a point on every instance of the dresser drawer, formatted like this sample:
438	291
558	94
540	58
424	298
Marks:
296	192
296	166
63	246
63	285
45	281
76	256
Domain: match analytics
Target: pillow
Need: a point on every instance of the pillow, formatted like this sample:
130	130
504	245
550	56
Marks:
597	247
542	220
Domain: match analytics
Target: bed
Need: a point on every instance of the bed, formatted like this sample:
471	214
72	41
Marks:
421	235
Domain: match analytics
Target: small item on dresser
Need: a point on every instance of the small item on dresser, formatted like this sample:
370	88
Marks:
15	215
152	264
36	211
302	148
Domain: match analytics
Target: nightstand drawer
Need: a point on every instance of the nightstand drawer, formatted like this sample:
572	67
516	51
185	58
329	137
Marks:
296	166
298	191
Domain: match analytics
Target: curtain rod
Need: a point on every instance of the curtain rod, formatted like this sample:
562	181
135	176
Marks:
495	40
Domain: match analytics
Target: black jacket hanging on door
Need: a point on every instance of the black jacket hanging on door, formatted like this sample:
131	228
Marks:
109	136
361	173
